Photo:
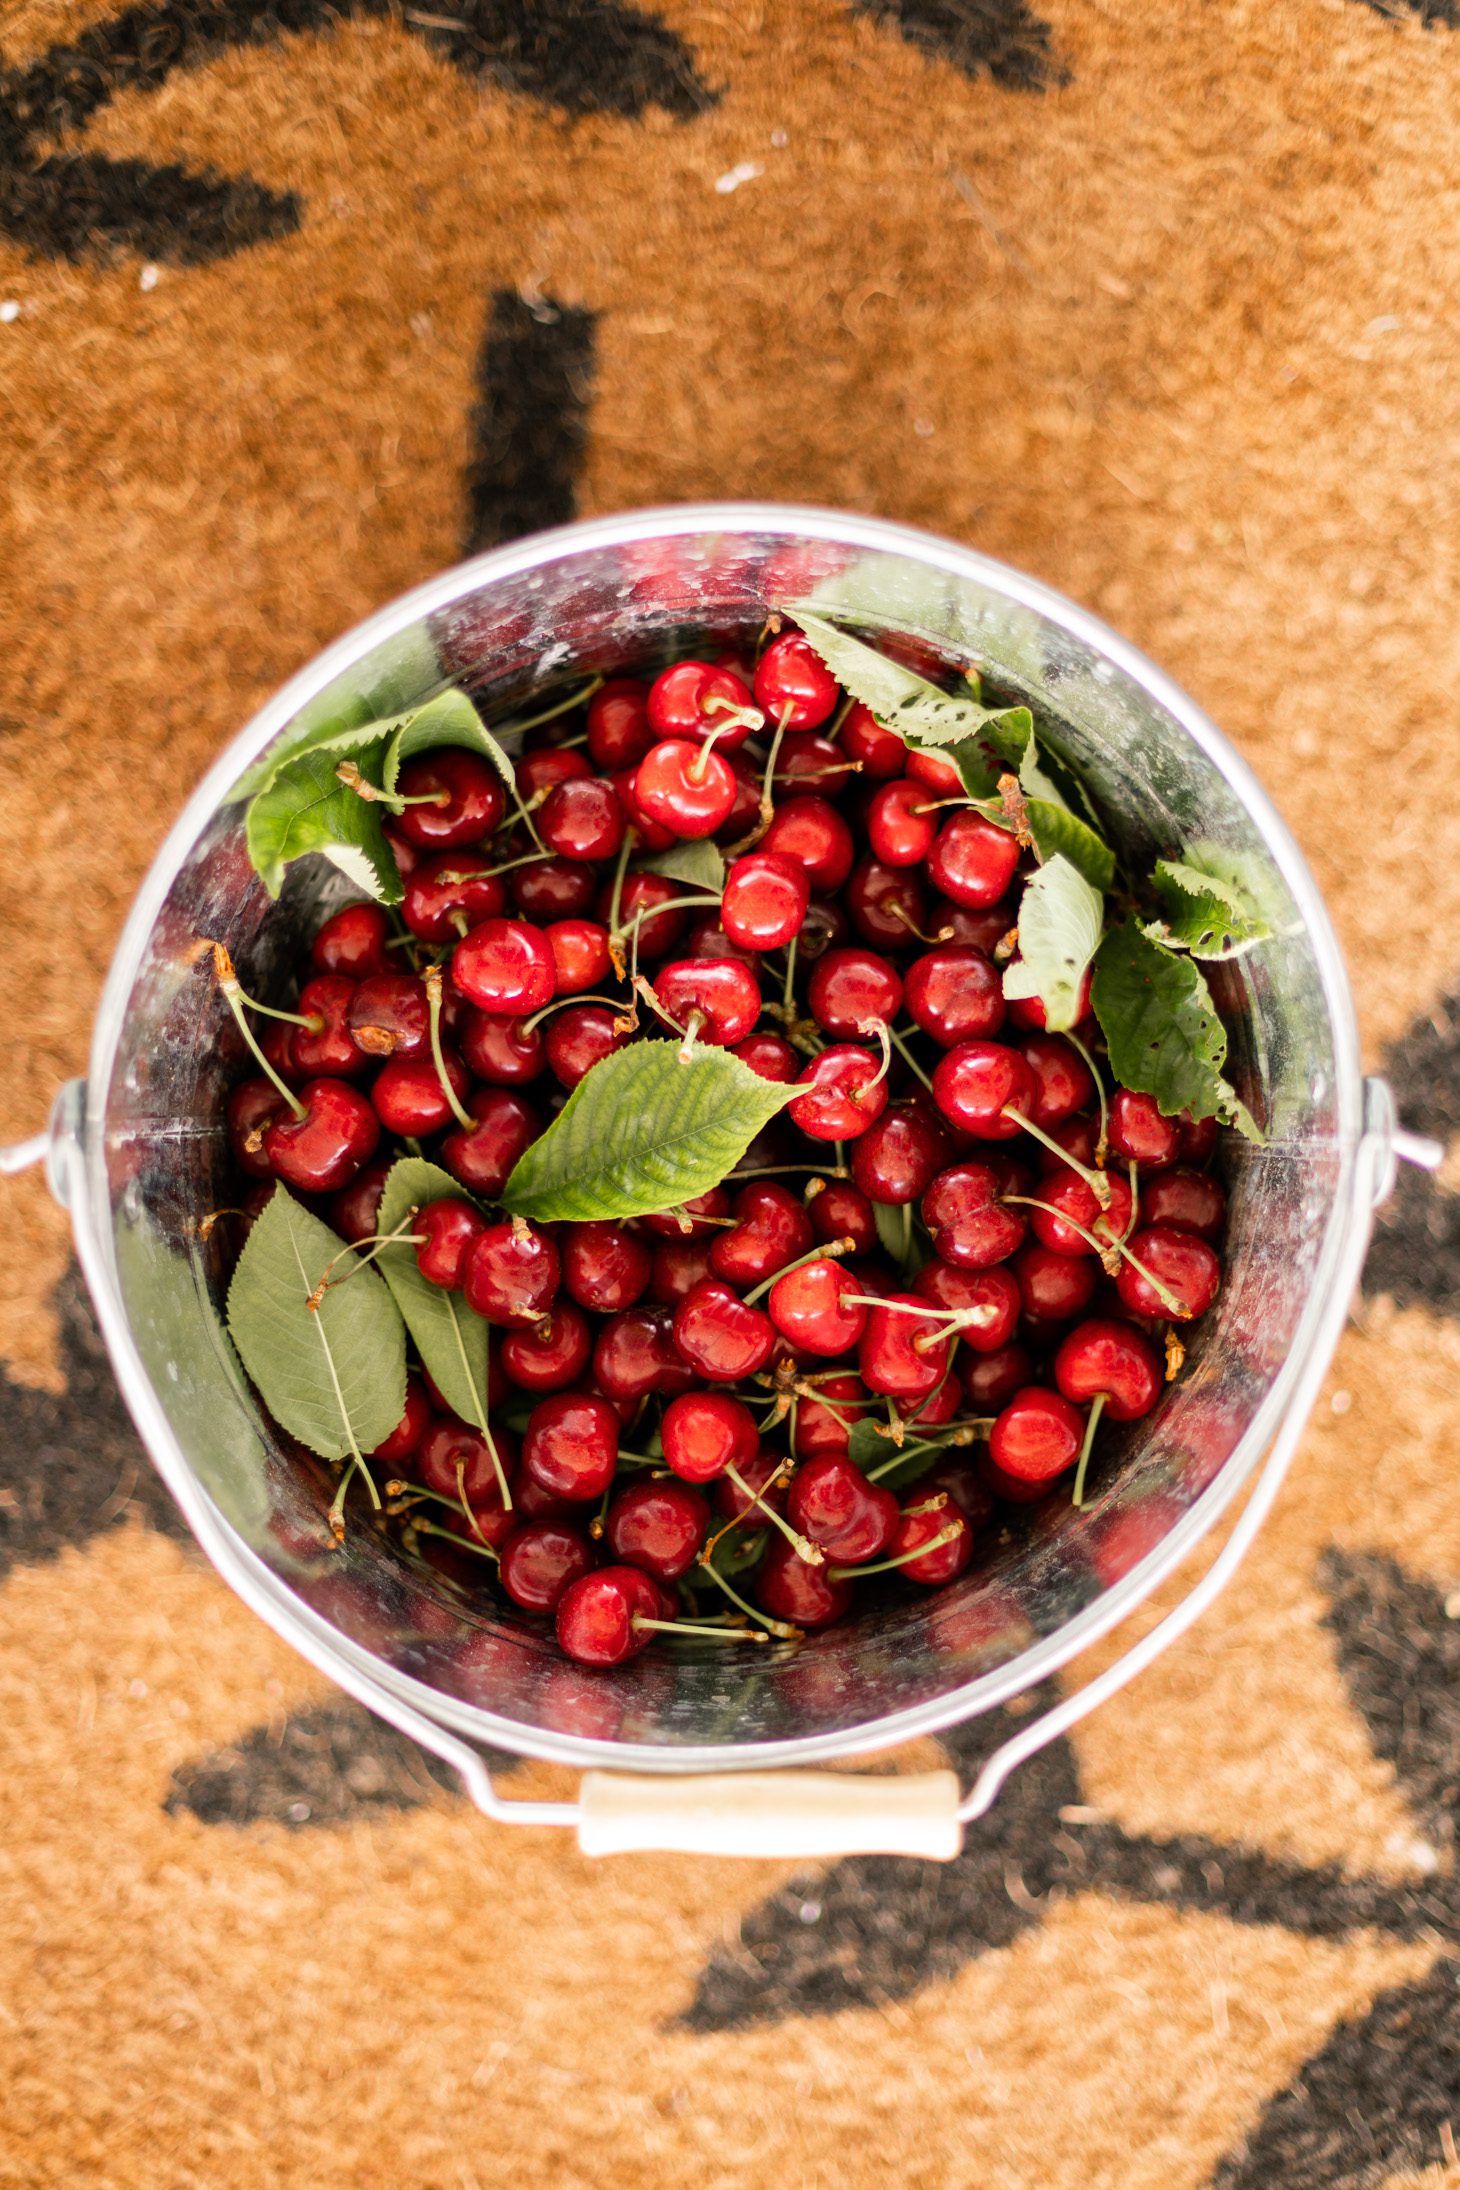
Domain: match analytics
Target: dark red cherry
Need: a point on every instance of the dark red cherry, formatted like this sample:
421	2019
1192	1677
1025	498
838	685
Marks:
582	819
976	1083
880	754
844	1094
968	1223
554	889
902	1354
968	927
810	833
410	1429
541	771
1186	1266
991	1380
831	1502
512	1274
252	1107
755	1474
388	1016
541	1561
765	900
808	762
579	1038
824	927
715	1000
1198	1138
451	1229
991	1299
484	1158
1185	1201
958	1476
657	1526
606	1267
505	967
825	1424
744	814
789	1589
505	1052
972	861
1072	1198
770	1056
679	1266
328	1048
935	1519
850	988
901	823
703	1433
409	1098
1112	1360
955	994
636	1355
353	942
942	1404
1037	1436
549	1355
354	1211
693	700
1139	1133
449	893
1062	1079
697	1218
465	799
619	731
707	939
570	1446
338	1133
1077	1136
648	834
816	1309
658	931
793	684
720	1335
888	906
897	1157
599	1615
1055	1287
771	1229
842	1211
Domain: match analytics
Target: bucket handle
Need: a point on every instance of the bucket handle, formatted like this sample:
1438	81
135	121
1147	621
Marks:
789	1814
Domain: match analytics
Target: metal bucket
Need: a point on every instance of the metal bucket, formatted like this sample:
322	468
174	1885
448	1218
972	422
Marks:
137	1155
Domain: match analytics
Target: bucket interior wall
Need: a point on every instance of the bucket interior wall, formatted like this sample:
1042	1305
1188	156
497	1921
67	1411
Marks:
174	1053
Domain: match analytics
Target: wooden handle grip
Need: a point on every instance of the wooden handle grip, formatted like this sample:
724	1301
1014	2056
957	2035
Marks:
772	1814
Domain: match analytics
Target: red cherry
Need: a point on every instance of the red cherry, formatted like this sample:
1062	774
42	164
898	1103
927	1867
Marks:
658	931
570	1446
648	833
827	1428
703	1212
1113	1360
942	1404
598	1614
994	1294
888	906
716	999
770	1056
842	1211
744	814
505	1052
1028	1011
899	1354
452	1228
977	1082
719	1334
1198	1138
455	1461
793	684
485	1158
968	927
1055	1287
580	954
755	1473
1062	1080
505	967
844	1095
807	762
684	788
1077	1137
808	1307
810	833
636	1355
955	994
388	1016
512	1274
466	795
1070	1196
1187	1268
582	819
936	771
831	1502
879	752
1140	1133
765	900
991	1380
1037	1436
679	1266
550	1355
900	823
353	942
449	893
354	1211
923	1520
657	1526
541	1561
791	1590
850	987
579	1038
605	1266
409	1098
619	731
703	1433
554	889
693	699
972	861
1184	1201
324	1149
541	771
897	1157
252	1107
771	1229
968	1223
327	1049
411	1427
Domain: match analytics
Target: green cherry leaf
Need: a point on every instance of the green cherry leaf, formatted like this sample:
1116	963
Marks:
307	809
698	863
1060	918
449	719
1161	1029
1060	834
332	1376
646	1129
901	700
1204	907
451	1338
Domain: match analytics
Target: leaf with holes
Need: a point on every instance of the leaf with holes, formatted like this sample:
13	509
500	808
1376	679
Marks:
1057	830
697	863
1060	919
646	1129
901	700
1162	1033
451	1339
1204	909
332	1376
307	809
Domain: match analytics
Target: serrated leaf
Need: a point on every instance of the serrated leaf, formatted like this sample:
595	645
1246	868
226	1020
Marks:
307	809
1060	918
901	700
451	1338
1203	911
335	1376
343	738
1161	1030
644	1130
698	863
449	719
1058	833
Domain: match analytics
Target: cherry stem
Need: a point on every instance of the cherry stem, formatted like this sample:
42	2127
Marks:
833	729
397	801
828	1253
786	1170
550	714
905	1452
781	1628
1097	1408
1097	1182
482	1549
738	1519
701	761
620	870
886	1566
233	997
699	1627
875	1030
801	1545
788	993
1117	1247
452	875
1103	1143
376	1243
459	1111
335	1518
908	1058
559	1003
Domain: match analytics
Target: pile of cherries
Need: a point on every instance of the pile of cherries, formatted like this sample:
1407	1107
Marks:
685	1386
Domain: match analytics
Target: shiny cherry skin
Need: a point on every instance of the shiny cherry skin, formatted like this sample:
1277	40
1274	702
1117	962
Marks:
831	1501
388	1016
817	1308
770	1056
619	730
927	1516
789	1589
1113	1360
326	1049
657	1526
898	1156
744	814
991	1299
808	762
451	1229
580	954
1139	1133
252	1107
694	1219
844	1094
599	1615
771	1229
899	1354
1063	1083
636	1354
582	819
649	835
955	994
703	1433
957	1476
809	832
901	823
505	967
504	1052
1028	1011
842	1211
512	1274
707	939
641	894
579	1038
888	906
826	1427
484	1158
1037	1436
466	799
880	753
551	1355
943	1403
323	1150
554	889
717	1000
976	1083
606	1267
684	788
1187	1267
851	987
694	699
449	893
353	942
991	1380
408	1096
1198	1137
1055	1288
679	1266
756	1474
355	1210
410	1429
968	1223
1071	1197
1186	1201
1077	1136
981	928
540	771
570	1446
793	684
972	861
455	1460
937	771
765	900
541	1560
720	1335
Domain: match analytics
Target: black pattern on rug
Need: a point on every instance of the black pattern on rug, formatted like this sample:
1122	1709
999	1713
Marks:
1416	1251
1003	39
323	1767
529	424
